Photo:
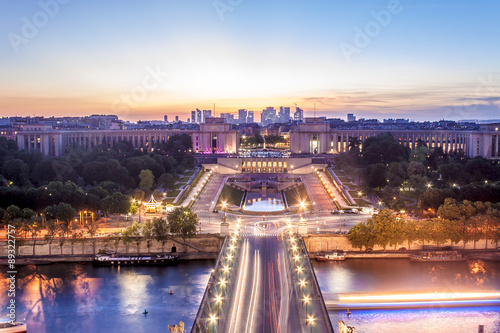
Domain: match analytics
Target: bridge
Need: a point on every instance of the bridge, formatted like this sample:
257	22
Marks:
263	281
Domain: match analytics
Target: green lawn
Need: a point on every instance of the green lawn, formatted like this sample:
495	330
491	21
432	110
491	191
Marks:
297	195
231	195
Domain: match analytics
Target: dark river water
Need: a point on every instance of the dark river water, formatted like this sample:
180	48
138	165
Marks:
73	298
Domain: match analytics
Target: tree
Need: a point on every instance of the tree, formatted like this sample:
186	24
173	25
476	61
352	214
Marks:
418	183
16	170
362	235
134	232
126	239
62	232
384	148
167	181
51	231
182	221
386	230
416	168
148	233
160	231
92	228
376	178
34	227
146	179
116	203
411	232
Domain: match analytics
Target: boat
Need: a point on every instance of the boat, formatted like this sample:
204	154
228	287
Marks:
7	327
333	256
436	256
159	259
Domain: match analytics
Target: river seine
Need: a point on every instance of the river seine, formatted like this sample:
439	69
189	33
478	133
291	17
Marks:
74	298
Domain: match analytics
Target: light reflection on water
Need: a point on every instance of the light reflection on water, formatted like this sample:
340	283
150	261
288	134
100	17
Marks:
385	276
74	298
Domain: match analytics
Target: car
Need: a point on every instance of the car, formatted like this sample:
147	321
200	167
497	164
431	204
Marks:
402	249
333	212
369	250
215	211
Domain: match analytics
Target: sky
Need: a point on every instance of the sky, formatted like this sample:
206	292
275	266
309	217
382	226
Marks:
416	59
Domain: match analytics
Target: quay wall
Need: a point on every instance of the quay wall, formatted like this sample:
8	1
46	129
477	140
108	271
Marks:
198	246
329	242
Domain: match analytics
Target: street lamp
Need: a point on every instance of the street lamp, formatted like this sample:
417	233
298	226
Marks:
306	300
310	321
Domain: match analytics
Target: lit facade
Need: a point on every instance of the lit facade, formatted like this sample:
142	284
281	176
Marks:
315	136
214	136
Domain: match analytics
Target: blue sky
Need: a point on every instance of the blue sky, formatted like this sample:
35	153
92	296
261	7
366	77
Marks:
429	60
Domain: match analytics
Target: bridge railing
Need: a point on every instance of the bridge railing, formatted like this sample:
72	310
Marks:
312	309
210	313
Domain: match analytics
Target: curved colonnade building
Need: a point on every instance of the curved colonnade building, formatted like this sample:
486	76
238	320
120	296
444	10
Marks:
314	136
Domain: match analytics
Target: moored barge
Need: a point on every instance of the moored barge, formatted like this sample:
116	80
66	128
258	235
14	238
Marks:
107	260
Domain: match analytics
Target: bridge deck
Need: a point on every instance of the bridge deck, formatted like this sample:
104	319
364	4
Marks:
259	289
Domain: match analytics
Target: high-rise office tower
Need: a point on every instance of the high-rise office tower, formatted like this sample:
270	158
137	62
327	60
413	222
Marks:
268	115
193	116
250	117
284	114
165	118
199	119
298	115
351	117
206	114
242	116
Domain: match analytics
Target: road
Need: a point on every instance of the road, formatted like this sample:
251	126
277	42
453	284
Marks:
261	300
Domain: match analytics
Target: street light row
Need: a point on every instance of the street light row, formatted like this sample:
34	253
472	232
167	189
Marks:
297	255
204	181
225	270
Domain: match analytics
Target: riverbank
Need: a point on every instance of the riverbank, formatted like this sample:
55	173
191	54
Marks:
198	245
491	255
84	259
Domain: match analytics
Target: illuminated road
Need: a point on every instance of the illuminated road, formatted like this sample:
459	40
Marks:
261	301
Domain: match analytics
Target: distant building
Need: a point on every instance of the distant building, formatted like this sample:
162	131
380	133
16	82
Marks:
206	114
250	118
199	116
228	116
268	116
213	136
315	135
351	117
193	116
298	114
165	118
284	114
242	116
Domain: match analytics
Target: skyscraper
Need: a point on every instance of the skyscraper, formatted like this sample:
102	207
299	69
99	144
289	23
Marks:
351	117
250	117
193	116
284	114
206	114
199	119
242	116
268	115
299	114
165	118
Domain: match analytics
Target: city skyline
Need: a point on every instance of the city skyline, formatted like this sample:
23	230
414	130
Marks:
377	59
